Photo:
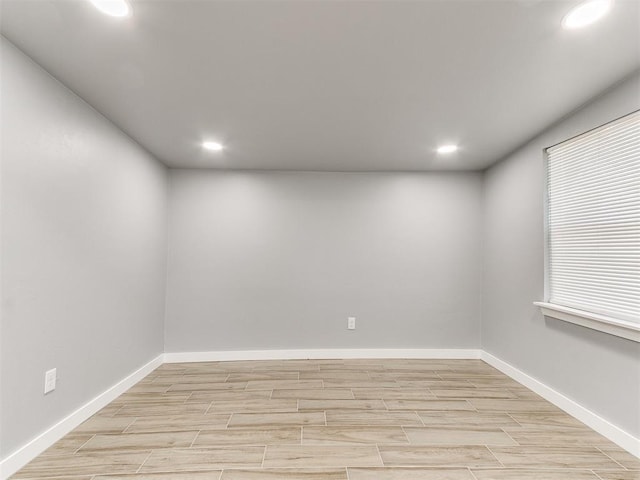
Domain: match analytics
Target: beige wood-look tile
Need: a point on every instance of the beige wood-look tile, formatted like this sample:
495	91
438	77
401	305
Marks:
138	410
524	393
373	417
528	474
170	369
552	420
68	444
344	392
351	435
139	441
154	396
276	419
195	387
418	363
473	393
323	404
409	473
176	423
618	474
243	436
392	394
353	369
148	388
368	363
471	366
297	366
428	384
196	378
197	368
279	384
398	372
457	436
100	424
467	419
337	375
446	384
210	475
472	376
404	376
556	436
254	364
150	399
83	464
314	393
512	405
320	456
454	456
109	411
553	457
196	459
621	456
413	405
260	405
286	474
487	382
341	372
335	383
260	376
228	395
65	477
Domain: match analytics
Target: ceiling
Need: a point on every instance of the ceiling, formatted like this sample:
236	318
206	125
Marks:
328	85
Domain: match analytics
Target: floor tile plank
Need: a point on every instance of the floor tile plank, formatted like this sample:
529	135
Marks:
351	419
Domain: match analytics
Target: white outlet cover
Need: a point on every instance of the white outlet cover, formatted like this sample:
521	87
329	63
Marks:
351	323
50	380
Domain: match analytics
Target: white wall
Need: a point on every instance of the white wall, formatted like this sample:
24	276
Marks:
280	260
599	371
83	251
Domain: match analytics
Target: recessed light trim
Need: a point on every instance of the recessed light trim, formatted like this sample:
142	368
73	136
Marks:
212	146
113	8
586	13
447	149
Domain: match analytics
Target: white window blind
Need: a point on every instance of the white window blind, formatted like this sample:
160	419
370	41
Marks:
593	216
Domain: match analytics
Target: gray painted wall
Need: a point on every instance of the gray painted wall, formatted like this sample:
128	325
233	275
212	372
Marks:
83	251
599	371
266	261
280	260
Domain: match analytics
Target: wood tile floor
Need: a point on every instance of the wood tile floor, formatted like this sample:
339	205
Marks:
332	420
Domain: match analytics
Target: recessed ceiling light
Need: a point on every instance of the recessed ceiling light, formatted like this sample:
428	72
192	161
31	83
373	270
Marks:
586	13
447	148
114	8
213	146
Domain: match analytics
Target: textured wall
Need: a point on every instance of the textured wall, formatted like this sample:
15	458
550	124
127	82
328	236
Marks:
599	371
280	260
83	251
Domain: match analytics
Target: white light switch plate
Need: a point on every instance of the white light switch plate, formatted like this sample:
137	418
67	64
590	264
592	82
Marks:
50	380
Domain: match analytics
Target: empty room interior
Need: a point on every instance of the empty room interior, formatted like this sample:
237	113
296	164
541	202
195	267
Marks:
320	240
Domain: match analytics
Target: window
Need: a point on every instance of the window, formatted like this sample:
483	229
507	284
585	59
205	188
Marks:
593	229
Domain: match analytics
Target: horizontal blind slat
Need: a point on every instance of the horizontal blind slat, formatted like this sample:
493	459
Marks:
593	220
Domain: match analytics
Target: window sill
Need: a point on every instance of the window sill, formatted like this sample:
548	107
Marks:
602	323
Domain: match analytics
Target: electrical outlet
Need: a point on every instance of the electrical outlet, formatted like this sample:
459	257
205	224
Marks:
351	323
50	380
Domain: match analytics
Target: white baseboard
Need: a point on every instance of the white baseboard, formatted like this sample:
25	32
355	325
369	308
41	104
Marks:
321	354
605	428
18	459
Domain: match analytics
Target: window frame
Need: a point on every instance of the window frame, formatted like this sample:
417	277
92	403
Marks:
595	321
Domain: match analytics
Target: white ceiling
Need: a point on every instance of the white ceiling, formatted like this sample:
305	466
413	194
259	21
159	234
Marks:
328	85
